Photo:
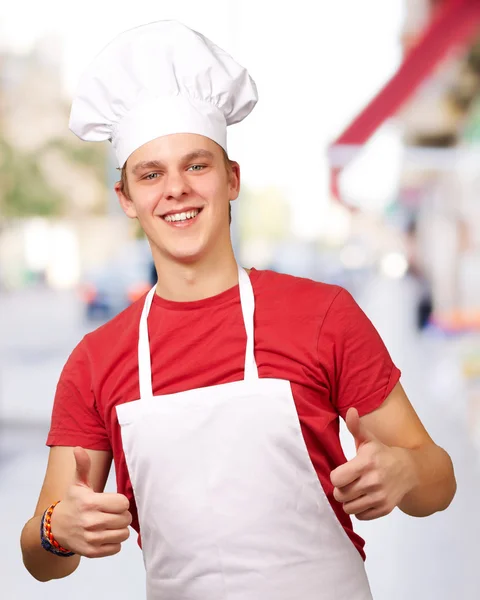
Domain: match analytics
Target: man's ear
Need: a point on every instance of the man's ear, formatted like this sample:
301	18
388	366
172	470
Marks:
126	203
234	180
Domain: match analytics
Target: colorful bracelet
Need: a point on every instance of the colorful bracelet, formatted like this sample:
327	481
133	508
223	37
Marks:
49	543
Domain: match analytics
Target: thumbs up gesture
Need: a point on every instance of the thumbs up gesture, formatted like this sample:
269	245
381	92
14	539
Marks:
89	523
373	483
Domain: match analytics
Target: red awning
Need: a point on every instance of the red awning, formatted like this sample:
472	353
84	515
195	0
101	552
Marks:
455	23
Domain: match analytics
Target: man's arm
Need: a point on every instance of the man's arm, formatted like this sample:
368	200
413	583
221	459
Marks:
397	464
396	424
59	476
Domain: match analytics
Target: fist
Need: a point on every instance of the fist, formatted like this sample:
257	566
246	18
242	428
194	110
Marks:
373	483
88	523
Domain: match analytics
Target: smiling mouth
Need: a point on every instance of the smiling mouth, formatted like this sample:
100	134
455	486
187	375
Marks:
182	217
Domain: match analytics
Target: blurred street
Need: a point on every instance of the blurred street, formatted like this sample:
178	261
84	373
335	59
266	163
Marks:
359	167
414	559
39	329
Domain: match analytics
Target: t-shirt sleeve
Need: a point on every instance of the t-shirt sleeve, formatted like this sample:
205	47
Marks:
358	365
75	418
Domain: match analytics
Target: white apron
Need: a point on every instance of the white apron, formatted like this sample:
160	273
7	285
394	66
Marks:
229	504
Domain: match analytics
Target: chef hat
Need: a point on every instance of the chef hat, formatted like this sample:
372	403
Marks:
159	79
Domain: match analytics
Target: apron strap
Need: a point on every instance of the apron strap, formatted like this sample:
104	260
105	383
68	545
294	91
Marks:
144	358
247	301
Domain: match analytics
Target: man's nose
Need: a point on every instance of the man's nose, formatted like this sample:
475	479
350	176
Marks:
176	186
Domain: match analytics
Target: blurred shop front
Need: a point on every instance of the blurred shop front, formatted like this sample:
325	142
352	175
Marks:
411	160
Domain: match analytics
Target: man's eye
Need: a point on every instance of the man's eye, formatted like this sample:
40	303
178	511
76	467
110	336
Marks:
151	176
196	167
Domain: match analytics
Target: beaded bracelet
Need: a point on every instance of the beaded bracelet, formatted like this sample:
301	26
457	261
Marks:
49	543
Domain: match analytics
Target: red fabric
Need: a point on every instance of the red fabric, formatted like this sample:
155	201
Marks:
455	22
310	333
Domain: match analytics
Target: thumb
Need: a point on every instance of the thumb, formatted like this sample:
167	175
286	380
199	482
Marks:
361	434
83	465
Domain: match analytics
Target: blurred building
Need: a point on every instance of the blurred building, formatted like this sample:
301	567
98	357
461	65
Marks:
34	131
32	110
419	172
441	178
55	209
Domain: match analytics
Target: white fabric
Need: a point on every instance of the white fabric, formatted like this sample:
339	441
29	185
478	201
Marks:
160	79
229	504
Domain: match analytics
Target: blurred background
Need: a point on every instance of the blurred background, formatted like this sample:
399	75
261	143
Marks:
360	167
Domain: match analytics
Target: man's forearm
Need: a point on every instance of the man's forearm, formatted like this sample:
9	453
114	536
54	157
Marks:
41	564
433	480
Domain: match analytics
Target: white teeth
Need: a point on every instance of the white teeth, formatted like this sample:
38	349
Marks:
182	216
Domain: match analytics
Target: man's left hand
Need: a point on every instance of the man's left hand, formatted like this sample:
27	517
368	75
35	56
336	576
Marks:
373	483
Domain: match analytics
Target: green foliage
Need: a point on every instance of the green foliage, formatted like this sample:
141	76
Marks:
473	57
90	155
138	232
471	128
23	189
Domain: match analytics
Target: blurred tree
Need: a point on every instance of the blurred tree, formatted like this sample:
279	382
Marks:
473	59
23	189
467	86
90	155
264	213
27	190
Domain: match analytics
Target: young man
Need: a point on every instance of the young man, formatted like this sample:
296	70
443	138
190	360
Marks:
218	395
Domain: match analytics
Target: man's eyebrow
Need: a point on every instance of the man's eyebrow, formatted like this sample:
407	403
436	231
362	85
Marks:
156	164
198	154
147	164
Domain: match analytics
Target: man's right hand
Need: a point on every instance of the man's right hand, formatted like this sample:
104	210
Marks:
88	523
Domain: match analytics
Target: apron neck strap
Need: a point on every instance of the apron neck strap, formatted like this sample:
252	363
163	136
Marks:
144	359
247	301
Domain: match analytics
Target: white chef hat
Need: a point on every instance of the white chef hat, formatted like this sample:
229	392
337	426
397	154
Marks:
159	79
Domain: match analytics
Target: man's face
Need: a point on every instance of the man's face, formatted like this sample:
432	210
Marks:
179	190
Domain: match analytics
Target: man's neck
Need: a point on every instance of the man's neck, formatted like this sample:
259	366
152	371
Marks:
189	282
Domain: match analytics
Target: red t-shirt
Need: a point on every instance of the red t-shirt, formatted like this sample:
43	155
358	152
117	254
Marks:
312	334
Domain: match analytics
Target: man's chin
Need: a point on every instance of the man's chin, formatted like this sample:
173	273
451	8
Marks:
187	256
